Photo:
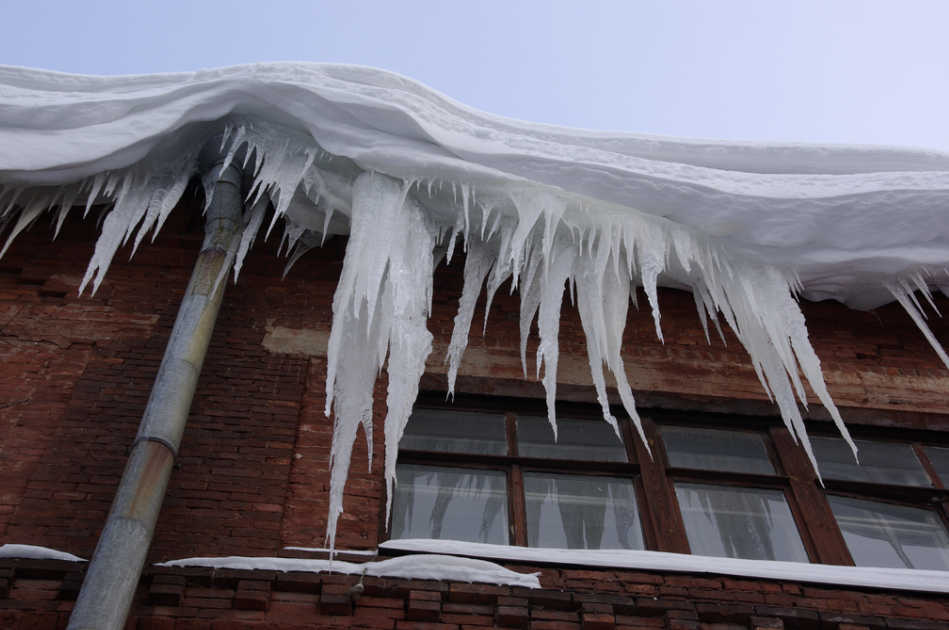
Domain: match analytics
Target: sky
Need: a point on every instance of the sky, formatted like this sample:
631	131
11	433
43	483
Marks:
827	71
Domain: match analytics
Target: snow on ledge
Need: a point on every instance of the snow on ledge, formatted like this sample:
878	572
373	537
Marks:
873	577
418	567
36	553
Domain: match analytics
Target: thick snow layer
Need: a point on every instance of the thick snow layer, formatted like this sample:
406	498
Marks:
901	579
418	567
411	175
36	553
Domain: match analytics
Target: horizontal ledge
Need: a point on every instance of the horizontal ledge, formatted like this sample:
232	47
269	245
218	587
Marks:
864	577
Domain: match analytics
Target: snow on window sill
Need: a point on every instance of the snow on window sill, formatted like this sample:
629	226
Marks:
33	552
873	577
418	567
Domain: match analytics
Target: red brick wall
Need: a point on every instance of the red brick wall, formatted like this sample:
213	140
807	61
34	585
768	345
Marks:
39	595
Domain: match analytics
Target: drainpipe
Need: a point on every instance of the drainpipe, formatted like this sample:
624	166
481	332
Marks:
113	574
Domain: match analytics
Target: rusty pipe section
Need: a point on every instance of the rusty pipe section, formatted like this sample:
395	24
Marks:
113	574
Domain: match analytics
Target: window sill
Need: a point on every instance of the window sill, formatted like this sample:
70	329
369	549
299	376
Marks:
863	577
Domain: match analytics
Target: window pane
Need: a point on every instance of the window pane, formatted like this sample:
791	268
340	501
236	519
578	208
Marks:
883	535
450	503
940	459
749	523
590	440
455	432
880	462
709	449
580	512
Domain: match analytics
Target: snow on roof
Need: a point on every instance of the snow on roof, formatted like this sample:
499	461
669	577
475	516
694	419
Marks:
406	171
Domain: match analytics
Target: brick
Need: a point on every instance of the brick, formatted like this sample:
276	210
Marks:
830	621
766	622
681	614
370	612
512	617
252	595
554	625
431	596
298	582
165	594
622	604
793	618
401	588
476	593
598	621
554	600
151	622
335	604
424	609
423	625
655	607
554	615
723	613
914	624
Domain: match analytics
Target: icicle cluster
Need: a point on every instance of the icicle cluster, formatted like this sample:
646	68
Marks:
549	243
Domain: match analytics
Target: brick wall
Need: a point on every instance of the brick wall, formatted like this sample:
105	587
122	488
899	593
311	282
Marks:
76	371
39	595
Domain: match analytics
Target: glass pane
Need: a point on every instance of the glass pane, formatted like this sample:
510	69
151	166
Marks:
883	535
940	459
749	523
589	440
880	462
455	432
580	512
450	503
709	449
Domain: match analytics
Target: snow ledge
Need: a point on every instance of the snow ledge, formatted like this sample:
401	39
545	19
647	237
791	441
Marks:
33	552
416	567
863	577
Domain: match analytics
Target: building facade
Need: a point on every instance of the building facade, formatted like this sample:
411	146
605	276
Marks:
253	475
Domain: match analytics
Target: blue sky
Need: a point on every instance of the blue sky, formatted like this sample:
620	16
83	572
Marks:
833	71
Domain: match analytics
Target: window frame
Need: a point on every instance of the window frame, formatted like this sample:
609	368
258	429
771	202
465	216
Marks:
934	498
516	465
654	479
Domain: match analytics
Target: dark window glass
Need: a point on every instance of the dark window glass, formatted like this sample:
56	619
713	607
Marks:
880	462
709	449
455	432
588	440
940	459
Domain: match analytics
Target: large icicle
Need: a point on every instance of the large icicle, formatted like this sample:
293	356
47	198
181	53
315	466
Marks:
381	304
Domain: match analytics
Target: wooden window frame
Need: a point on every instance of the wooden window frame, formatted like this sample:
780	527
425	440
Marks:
653	478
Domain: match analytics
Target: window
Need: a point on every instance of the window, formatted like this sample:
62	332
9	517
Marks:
737	506
743	489
504	479
888	506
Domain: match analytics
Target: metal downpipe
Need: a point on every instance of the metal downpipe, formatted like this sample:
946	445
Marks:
106	596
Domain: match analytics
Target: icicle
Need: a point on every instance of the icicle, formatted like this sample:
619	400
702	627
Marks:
382	303
902	294
481	258
558	264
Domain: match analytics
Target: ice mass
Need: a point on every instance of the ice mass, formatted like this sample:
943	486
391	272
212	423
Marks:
412	177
